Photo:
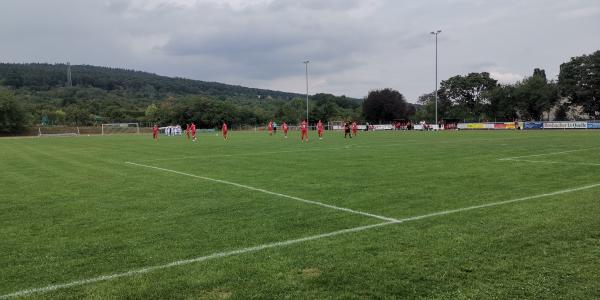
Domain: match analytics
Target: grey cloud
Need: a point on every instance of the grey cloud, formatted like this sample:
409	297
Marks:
334	5
353	45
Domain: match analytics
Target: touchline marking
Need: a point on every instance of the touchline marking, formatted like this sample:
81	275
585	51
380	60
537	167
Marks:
544	154
277	244
268	192
553	162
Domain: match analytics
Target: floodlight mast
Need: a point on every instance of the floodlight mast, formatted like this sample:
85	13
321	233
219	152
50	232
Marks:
306	65
436	73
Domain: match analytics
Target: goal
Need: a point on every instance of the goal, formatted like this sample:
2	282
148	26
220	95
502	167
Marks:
57	131
120	128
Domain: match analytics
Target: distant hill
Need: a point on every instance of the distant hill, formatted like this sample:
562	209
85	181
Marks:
43	77
104	95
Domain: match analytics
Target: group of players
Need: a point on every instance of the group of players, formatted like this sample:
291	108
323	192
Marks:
190	130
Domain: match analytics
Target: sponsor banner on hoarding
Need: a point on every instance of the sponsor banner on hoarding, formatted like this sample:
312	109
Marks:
506	125
475	126
533	125
565	125
383	127
591	125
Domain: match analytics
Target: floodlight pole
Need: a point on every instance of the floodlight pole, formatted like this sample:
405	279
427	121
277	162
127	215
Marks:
306	65
436	73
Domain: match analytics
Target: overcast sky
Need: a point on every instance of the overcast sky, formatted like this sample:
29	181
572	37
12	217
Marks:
353	45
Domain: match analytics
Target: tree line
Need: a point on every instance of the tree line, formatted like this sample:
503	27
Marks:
478	97
33	94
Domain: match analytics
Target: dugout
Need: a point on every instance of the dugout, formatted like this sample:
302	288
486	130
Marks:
451	124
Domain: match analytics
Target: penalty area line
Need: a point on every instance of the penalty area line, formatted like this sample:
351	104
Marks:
552	162
278	244
545	154
267	192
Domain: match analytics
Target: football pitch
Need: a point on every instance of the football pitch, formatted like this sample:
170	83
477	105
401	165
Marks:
443	215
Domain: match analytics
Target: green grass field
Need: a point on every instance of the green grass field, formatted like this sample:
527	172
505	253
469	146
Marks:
383	215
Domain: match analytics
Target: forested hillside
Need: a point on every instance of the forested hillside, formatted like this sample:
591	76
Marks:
43	77
101	95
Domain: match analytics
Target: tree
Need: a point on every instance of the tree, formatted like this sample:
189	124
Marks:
293	111
561	112
385	106
57	117
12	115
469	92
427	107
77	115
534	96
501	106
151	113
579	80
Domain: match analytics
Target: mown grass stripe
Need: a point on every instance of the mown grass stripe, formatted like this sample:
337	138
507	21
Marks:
279	244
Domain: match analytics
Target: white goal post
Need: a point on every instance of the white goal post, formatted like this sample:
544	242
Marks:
120	128
57	131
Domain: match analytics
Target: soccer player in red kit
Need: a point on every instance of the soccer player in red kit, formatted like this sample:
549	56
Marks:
270	127
320	129
285	129
155	132
304	131
187	131
354	128
224	130
193	131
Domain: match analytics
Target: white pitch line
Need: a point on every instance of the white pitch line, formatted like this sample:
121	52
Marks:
268	192
187	261
144	270
545	154
553	162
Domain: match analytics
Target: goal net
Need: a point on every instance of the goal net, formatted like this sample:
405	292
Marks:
57	131
120	128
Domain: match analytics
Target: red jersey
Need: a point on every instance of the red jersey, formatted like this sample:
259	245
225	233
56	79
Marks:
155	130
303	126
224	127
354	127
285	127
188	128
320	126
193	128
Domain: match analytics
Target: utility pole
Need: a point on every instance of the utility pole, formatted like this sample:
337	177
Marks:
306	65
436	73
